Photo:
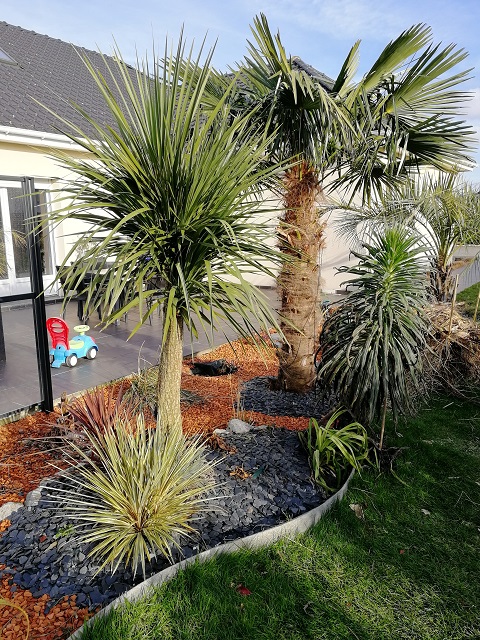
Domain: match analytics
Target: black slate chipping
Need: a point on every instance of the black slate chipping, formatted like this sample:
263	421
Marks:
277	488
256	395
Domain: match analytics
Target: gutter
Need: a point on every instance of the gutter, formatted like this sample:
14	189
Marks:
37	138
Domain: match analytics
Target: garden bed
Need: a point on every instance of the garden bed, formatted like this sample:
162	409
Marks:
264	482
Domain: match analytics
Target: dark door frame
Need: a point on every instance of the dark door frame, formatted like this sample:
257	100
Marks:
36	295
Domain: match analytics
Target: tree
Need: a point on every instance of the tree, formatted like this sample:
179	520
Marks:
442	207
372	345
370	134
170	195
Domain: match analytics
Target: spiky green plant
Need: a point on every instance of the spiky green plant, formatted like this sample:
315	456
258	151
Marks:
332	449
137	491
170	196
372	345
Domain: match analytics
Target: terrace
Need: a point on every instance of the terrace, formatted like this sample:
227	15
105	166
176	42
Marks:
118	356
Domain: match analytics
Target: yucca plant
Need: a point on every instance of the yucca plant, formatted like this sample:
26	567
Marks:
170	195
332	449
372	345
137	491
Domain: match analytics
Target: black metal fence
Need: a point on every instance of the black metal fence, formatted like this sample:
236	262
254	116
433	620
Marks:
36	298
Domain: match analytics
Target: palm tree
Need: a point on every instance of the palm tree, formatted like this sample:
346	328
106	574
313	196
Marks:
443	208
170	194
398	117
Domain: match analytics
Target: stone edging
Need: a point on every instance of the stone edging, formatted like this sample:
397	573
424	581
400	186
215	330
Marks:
297	525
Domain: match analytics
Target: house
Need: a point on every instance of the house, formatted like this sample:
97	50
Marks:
38	73
37	70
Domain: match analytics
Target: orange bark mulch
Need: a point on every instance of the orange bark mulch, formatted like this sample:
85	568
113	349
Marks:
220	393
26	459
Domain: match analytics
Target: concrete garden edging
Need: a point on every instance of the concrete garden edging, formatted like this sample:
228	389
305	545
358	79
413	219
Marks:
297	525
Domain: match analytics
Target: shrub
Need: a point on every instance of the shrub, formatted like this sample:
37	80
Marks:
136	489
372	345
333	449
101	407
143	391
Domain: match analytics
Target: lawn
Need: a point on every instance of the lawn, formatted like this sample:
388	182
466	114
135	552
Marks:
404	565
469	297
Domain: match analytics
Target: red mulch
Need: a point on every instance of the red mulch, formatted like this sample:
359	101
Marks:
26	458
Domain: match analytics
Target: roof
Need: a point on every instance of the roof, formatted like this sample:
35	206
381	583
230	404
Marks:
53	73
326	82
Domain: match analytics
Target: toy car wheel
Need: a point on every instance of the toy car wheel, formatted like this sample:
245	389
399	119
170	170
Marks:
71	361
91	353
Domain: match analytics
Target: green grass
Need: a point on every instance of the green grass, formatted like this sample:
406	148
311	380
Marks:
469	296
398	573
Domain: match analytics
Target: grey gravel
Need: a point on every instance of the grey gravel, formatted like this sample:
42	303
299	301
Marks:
257	396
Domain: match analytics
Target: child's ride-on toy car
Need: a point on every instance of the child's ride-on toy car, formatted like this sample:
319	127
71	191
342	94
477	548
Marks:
63	351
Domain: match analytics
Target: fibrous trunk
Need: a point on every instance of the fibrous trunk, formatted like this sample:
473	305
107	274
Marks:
301	237
440	279
169	378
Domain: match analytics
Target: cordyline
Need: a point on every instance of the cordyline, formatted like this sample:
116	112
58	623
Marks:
170	198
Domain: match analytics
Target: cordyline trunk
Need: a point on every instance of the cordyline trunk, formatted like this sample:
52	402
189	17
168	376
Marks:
170	377
301	237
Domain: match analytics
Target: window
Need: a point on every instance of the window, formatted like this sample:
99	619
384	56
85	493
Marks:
4	57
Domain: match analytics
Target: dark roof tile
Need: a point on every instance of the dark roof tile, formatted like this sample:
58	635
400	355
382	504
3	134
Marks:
53	73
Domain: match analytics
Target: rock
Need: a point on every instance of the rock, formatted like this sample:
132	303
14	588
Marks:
33	498
238	426
8	508
276	340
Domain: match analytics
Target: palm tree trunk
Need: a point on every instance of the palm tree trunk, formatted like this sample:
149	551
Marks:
301	237
440	279
169	378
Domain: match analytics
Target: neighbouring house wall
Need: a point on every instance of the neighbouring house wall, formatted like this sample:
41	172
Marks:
466	264
335	254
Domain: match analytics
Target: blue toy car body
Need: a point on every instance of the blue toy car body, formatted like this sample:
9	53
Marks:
66	351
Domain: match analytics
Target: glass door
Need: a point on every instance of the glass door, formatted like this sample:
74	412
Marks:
14	259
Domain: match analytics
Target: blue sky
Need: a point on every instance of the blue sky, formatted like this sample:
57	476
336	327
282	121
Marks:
319	31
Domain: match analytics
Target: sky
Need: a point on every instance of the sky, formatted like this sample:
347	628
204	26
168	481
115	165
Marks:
321	32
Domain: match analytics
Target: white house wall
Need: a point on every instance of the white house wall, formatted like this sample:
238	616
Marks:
18	160
28	156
